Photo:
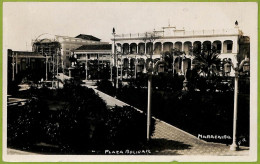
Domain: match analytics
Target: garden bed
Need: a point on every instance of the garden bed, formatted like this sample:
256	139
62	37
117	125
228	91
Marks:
73	120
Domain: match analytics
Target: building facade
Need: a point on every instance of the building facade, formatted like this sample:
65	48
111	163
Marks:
94	58
62	47
142	47
21	61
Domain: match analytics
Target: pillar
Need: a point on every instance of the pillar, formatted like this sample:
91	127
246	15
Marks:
235	47
137	50
144	48
162	47
13	64
222	47
16	61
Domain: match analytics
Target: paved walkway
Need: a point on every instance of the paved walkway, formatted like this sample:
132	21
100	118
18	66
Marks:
170	140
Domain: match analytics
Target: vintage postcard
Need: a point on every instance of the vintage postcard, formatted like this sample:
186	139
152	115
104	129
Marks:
130	81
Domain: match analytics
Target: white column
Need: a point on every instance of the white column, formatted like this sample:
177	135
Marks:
16	60
149	103
113	47
144	48
191	48
129	52
234	145
222	47
235	47
162	47
86	66
137	51
153	48
182	67
13	64
173	45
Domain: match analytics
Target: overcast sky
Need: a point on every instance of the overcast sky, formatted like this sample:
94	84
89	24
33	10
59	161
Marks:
25	21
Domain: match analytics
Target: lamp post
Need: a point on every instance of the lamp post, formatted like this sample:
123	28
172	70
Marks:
86	67
135	66
111	68
121	68
115	56
149	99
13	64
158	67
116	73
227	68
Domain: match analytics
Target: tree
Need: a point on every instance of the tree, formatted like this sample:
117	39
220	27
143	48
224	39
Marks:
208	61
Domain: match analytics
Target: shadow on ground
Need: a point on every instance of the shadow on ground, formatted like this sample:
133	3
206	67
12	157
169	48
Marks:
164	146
156	147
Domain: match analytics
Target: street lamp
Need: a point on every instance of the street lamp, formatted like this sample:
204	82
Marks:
115	56
121	68
111	68
227	68
149	98
13	64
86	66
136	61
158	67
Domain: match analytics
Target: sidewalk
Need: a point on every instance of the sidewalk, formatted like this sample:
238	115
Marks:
169	140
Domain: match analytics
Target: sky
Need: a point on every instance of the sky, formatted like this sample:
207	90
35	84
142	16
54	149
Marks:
24	21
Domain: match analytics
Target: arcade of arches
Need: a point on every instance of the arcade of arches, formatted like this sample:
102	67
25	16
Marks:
139	54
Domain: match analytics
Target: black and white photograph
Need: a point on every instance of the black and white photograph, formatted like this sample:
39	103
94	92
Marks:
130	81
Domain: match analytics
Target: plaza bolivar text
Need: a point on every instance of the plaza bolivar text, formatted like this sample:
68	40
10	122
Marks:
127	152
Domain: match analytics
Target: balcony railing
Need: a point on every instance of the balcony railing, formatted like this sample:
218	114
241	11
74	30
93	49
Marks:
178	33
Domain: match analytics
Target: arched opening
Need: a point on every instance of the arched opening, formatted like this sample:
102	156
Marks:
147	62
228	46
177	65
178	46
207	46
133	48
125	63
125	48
141	48
186	64
140	65
217	46
119	48
149	48
157	48
187	48
167	46
197	47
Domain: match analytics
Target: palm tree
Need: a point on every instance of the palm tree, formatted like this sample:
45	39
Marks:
208	61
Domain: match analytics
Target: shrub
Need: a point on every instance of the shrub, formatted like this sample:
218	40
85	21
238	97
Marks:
106	87
24	123
127	128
